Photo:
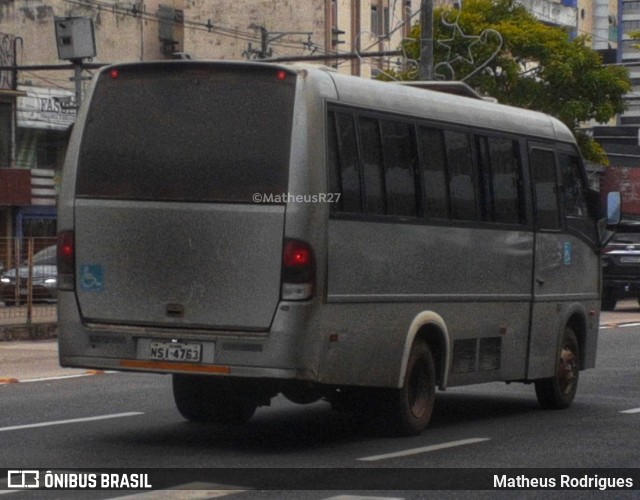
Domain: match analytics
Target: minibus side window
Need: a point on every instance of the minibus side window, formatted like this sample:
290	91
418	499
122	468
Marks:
501	180
545	183
461	183
344	174
400	159
434	173
574	191
373	168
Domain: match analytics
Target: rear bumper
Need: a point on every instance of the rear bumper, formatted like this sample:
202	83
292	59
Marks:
621	283
201	369
286	351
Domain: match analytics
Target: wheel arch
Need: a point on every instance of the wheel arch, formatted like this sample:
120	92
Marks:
577	321
431	328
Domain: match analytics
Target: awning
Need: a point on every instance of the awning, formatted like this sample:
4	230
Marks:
12	93
46	108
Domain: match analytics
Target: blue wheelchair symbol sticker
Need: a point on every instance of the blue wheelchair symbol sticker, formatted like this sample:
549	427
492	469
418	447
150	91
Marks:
92	277
568	253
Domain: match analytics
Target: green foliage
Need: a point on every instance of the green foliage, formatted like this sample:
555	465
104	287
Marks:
537	67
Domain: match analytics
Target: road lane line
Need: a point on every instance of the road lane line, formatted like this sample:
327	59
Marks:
633	410
196	491
71	421
89	373
425	449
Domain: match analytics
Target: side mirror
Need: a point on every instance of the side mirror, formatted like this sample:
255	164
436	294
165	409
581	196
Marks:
614	208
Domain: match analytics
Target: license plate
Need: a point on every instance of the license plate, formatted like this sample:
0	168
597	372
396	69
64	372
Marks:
630	260
175	351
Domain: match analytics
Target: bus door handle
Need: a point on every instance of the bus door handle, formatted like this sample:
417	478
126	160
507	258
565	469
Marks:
540	281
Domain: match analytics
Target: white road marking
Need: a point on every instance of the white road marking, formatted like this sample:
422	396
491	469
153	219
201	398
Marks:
193	491
71	421
633	410
59	377
425	449
357	497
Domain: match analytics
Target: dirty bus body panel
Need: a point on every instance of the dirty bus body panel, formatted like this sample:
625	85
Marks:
256	229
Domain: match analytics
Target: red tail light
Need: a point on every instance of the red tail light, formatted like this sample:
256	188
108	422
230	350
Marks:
298	270
66	260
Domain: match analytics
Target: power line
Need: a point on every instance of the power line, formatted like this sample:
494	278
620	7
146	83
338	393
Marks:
208	27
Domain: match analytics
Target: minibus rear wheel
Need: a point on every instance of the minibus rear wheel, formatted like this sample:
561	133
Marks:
208	400
412	404
559	391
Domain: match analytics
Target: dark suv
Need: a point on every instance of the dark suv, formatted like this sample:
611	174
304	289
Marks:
621	266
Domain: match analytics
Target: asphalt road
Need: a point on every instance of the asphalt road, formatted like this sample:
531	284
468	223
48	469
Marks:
55	418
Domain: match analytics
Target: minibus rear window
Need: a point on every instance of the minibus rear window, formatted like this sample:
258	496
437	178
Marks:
187	132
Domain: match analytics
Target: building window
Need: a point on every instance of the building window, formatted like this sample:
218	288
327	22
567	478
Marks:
380	18
406	19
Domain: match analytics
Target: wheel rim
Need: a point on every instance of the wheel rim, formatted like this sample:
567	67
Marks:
567	369
419	390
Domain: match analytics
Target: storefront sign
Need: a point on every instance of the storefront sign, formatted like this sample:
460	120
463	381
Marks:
46	108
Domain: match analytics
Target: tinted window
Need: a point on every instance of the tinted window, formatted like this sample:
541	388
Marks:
545	183
192	132
574	189
502	195
461	183
434	173
373	168
399	165
344	174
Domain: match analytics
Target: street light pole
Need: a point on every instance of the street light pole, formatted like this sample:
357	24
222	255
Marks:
77	78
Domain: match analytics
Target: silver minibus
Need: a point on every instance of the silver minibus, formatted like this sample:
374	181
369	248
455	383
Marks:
255	229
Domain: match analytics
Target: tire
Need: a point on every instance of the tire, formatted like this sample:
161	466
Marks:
211	401
609	300
411	406
559	391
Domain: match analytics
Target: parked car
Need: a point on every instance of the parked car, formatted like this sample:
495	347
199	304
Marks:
44	279
621	266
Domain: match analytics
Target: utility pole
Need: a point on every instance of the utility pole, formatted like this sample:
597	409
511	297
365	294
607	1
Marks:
426	40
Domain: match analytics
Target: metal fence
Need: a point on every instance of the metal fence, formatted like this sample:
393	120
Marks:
28	282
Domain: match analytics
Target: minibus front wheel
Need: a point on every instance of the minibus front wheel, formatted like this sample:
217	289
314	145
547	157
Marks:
559	391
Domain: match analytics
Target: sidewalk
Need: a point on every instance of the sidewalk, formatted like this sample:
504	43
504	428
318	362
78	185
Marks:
30	360
29	351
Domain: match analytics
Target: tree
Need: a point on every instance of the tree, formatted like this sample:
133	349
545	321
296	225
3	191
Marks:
503	51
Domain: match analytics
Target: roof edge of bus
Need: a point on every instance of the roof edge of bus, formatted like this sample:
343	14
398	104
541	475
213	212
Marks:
201	62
